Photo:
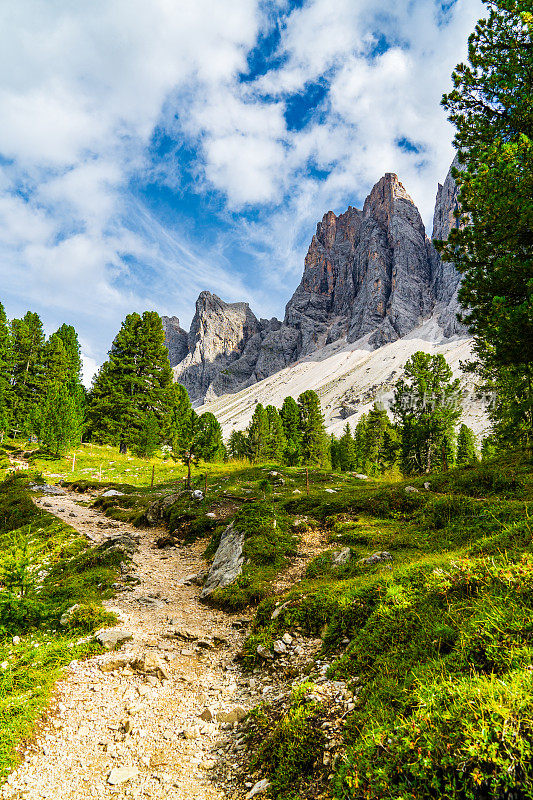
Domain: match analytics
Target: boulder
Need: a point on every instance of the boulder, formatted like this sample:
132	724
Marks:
377	558
227	563
65	617
112	637
236	714
259	788
112	493
151	664
339	557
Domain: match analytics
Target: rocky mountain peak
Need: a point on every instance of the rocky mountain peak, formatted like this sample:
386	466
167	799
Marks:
369	274
380	203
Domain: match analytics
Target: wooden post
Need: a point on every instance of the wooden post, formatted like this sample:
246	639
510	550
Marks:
73	462
307	479
100	476
153	474
205	485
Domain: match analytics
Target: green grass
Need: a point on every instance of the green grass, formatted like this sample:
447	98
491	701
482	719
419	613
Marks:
440	640
45	568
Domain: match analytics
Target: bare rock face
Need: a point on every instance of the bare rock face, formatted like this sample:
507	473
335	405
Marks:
445	278
176	340
372	273
366	272
218	337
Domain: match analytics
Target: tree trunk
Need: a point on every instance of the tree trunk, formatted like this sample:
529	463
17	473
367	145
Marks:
189	472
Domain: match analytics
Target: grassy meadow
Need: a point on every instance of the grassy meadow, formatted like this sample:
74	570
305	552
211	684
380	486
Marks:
435	641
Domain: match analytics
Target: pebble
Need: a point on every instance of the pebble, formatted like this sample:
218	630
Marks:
122	774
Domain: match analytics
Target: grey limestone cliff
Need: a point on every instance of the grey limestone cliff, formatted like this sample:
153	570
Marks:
445	278
176	340
368	273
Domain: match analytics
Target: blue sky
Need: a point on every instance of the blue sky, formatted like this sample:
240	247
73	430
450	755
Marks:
150	150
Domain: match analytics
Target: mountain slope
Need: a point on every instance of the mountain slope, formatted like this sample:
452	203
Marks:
349	378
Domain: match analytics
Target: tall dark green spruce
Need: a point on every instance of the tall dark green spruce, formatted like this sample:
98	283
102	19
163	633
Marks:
343	451
176	423
290	418
132	384
276	441
211	444
491	106
466	447
258	434
28	370
426	406
314	441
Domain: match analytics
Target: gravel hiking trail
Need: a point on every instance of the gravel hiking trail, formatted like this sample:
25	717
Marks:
141	721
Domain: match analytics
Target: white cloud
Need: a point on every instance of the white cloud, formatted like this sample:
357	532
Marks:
84	86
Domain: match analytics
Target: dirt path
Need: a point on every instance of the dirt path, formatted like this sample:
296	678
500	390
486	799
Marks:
122	718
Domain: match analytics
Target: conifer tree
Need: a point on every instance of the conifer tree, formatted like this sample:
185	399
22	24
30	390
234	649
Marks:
258	434
491	106
188	445
426	406
58	419
28	372
313	434
132	383
5	373
290	418
346	450
489	448
466	446
276	441
176	423
360	444
210	442
149	437
238	445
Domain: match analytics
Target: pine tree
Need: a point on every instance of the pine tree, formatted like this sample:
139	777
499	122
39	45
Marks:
58	419
360	444
132	383
426	406
276	441
346	450
290	419
210	442
489	448
28	372
188	446
313	434
149	437
491	106
238	445
466	447
377	423
176	422
69	337
258	434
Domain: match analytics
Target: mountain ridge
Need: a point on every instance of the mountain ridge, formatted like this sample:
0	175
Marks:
370	274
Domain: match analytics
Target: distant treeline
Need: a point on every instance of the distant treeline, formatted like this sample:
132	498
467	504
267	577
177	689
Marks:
134	404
